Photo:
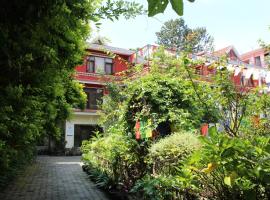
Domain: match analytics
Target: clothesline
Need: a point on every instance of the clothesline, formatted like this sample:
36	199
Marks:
233	62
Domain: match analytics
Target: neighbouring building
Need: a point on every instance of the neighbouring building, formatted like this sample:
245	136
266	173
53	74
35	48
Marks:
256	57
249	70
229	51
245	75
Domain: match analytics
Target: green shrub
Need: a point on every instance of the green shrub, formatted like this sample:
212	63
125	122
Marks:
168	178
12	162
161	97
101	178
168	153
233	168
164	187
117	156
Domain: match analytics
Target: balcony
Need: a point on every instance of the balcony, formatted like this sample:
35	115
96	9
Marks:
77	111
97	78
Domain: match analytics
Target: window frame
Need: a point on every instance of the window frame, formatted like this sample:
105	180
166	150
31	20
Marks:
108	61
91	59
89	95
258	61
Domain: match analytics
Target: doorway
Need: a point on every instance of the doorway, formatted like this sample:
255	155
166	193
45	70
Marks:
84	132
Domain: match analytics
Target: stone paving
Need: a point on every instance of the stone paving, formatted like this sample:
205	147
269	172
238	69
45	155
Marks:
53	178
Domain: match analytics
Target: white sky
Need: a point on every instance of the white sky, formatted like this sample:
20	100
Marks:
231	22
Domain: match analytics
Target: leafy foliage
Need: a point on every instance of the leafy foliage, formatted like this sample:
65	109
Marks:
41	43
178	6
39	50
168	179
160	99
233	168
256	121
112	10
117	156
158	6
165	187
177	35
155	7
110	114
165	95
168	154
232	163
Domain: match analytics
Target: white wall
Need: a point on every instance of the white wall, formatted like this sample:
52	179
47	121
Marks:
78	118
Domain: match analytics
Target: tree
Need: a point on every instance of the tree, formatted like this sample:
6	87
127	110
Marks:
165	96
101	40
40	44
176	34
114	9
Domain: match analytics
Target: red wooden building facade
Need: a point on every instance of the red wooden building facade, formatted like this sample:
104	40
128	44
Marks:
101	65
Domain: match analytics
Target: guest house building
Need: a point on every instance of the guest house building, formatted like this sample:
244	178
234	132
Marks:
101	65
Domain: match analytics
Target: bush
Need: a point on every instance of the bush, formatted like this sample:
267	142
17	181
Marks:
233	168
168	178
115	156
162	98
168	153
165	187
12	162
101	178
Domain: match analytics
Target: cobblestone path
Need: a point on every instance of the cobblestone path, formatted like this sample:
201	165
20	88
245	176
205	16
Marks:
53	178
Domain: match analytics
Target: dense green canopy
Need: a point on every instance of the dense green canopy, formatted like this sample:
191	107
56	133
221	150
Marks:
177	35
40	44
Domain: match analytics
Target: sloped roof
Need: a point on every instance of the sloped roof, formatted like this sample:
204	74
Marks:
226	50
252	53
116	50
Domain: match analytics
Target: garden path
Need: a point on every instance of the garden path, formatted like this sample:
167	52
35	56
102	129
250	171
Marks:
53	178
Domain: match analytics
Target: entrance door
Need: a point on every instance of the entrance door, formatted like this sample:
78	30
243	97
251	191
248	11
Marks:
84	132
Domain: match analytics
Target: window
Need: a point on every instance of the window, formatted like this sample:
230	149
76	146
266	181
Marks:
91	64
108	66
258	61
84	132
100	65
94	97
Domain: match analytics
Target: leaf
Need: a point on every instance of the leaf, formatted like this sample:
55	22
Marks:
178	6
212	131
156	6
210	168
227	181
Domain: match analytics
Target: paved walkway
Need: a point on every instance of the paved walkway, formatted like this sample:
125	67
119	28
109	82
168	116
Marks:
53	178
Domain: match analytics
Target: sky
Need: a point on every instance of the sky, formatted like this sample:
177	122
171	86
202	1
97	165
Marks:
240	23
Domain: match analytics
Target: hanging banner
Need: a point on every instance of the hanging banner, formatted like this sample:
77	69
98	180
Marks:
237	71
